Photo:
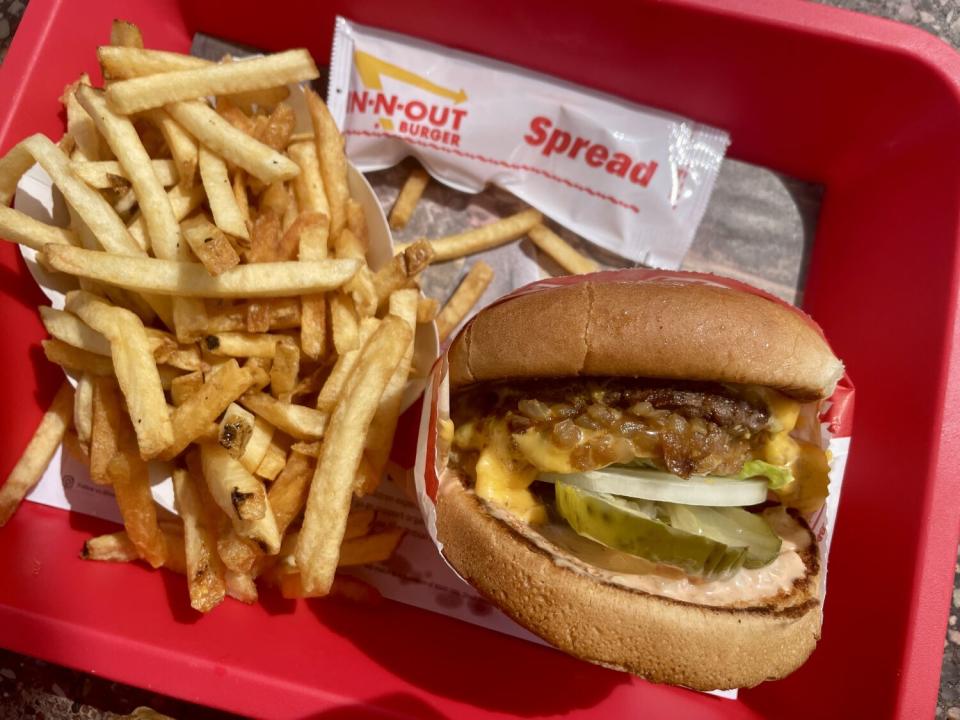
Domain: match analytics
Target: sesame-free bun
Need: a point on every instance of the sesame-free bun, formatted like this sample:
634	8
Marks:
655	329
658	638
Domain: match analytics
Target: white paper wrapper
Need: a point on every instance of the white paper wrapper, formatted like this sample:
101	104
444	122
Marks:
836	420
630	179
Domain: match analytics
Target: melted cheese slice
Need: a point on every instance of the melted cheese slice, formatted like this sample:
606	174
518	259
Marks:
509	463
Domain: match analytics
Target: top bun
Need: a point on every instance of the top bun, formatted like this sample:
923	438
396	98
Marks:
655	329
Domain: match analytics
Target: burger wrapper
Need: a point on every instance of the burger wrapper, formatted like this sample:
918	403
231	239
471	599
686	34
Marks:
836	422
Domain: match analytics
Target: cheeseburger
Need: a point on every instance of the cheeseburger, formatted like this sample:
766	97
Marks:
630	468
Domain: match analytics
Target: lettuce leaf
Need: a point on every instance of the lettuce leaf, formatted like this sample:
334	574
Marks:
777	476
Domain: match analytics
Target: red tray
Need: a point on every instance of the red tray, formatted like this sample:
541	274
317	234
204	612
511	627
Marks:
868	107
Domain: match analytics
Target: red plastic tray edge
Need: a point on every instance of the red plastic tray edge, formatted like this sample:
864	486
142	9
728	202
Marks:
933	577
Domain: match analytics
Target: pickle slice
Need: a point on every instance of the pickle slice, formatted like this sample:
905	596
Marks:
731	526
632	527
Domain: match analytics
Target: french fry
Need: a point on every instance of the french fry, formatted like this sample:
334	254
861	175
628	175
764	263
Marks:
273	462
95	212
125	34
128	474
286	367
403	304
310	449
240	494
257	445
263	99
311	230
265	239
83	408
278	128
113	547
358	523
313	326
121	63
332	389
308	185
302	231
223	203
172	277
204	569
344	587
183	386
284	314
427	309
236	428
117	547
558	249
297	421
348	245
328	504
464	298
357	221
275	198
237	553
80	361
261	161
363	291
125	143
259	73
79	124
38	453
162	227
258	317
72	330
333	161
398	272
483	238
239	186
210	245
222	386
189	318
182	146
184	357
22	229
126	200
288	493
240	586
291	213
343	322
73	446
370	548
105	428
240	118
183	201
260	367
134	365
238	344
105	174
408	198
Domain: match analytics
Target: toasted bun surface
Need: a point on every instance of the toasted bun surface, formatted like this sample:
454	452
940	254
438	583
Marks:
662	640
646	329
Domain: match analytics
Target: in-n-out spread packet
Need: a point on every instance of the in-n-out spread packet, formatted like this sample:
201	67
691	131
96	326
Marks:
630	179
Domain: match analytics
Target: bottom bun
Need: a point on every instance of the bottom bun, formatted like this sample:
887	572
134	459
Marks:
660	639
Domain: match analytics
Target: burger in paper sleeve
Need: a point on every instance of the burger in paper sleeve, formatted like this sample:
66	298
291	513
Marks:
630	470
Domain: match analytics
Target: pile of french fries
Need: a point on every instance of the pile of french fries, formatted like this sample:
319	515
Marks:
225	321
